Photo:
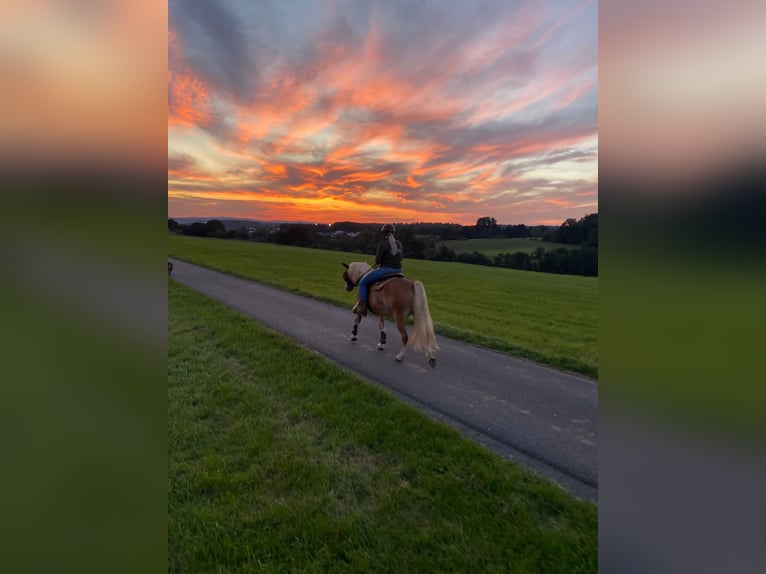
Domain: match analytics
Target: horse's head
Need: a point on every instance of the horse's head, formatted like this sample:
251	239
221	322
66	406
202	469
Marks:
347	279
354	272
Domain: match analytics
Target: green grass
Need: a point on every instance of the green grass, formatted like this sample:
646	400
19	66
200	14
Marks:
279	461
498	246
543	317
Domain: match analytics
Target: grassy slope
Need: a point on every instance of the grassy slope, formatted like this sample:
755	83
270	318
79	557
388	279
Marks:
540	316
280	461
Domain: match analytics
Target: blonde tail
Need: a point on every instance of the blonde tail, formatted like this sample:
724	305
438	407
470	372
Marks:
423	336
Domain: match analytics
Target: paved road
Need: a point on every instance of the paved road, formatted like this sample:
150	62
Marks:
525	412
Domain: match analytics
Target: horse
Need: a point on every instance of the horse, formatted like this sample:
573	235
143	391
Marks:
398	297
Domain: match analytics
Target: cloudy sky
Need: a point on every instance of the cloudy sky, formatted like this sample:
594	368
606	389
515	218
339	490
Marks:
395	110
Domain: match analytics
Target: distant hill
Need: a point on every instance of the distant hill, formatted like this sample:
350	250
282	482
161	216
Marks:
232	223
229	223
246	223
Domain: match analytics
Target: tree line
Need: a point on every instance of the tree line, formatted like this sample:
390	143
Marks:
425	240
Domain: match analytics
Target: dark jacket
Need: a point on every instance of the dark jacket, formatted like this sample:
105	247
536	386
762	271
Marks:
384	257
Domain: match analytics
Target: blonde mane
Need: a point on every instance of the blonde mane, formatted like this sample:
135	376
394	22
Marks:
357	270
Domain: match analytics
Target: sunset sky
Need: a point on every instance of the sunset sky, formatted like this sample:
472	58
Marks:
402	111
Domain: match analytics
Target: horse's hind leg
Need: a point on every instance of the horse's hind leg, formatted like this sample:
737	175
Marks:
355	330
381	326
401	324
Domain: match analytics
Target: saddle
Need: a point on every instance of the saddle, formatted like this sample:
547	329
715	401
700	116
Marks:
378	285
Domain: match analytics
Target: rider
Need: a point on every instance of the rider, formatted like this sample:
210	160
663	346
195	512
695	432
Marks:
388	259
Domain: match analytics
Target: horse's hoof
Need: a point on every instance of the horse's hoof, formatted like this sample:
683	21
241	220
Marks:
399	359
353	338
432	361
379	347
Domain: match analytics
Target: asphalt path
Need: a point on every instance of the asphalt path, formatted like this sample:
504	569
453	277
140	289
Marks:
528	413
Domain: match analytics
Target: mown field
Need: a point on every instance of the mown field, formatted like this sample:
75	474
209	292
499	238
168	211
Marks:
543	317
279	461
498	246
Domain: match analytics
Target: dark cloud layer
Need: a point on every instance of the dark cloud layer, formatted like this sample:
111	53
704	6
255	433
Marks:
411	99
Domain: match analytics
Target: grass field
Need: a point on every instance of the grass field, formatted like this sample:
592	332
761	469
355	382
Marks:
279	461
543	317
498	246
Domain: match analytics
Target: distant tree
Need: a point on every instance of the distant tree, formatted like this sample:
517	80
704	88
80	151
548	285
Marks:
406	234
198	229
579	231
486	222
215	228
539	231
576	262
590	261
520	260
173	225
554	261
445	253
517	230
367	241
451	231
568	232
485	227
474	258
298	234
238	233
415	248
590	229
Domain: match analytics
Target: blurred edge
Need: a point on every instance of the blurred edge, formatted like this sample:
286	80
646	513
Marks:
83	297
682	181
681	435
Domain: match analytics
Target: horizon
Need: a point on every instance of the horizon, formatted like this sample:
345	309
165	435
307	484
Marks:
383	111
239	218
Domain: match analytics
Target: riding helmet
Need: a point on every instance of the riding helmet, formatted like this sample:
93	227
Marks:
388	228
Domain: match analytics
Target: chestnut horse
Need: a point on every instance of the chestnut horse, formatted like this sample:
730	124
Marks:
399	298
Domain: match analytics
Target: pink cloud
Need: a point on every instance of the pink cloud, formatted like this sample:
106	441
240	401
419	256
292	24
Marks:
362	120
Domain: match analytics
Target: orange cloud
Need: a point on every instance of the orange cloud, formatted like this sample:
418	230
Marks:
188	96
351	130
277	170
189	101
